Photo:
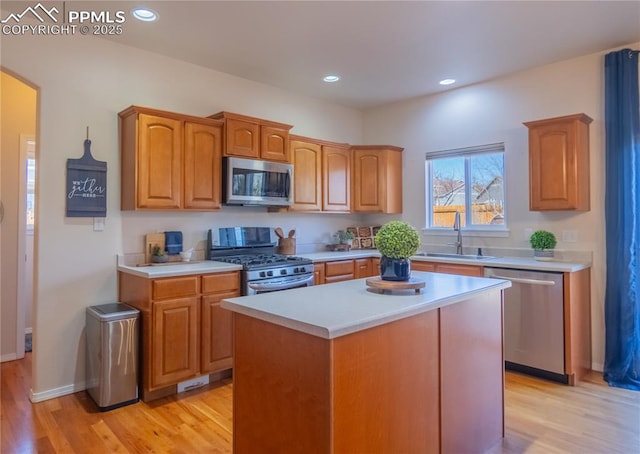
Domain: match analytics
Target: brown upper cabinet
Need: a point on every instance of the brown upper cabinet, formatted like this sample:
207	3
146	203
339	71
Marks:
169	161
322	175
559	163
255	138
377	178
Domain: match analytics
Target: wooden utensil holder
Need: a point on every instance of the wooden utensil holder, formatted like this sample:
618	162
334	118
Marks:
287	246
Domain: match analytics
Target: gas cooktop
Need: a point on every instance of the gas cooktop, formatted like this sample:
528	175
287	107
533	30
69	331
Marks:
260	260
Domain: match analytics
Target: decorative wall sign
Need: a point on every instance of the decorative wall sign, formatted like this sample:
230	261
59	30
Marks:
86	185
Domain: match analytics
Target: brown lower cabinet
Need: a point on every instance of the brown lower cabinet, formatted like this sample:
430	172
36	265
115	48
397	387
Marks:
345	270
185	332
449	268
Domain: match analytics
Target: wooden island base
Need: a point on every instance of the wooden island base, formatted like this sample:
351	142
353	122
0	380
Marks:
429	383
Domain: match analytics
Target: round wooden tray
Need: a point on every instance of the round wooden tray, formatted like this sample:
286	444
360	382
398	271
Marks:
378	284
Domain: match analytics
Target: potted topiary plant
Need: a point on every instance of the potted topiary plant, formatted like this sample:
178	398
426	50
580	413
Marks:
159	255
396	241
543	243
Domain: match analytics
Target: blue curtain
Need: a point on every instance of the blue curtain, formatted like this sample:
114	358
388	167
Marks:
622	215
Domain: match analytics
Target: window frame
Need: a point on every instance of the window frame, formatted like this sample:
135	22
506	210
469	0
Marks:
490	230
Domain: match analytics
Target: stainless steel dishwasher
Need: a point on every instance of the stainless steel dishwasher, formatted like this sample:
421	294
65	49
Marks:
533	322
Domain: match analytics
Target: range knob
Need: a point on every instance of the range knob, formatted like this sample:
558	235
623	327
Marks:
302	270
283	271
296	270
269	273
262	274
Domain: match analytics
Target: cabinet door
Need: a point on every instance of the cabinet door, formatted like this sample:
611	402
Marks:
559	163
202	166
375	266
341	270
159	162
367	181
318	274
307	175
363	268
377	179
274	144
336	178
217	333
423	266
174	287
175	341
242	138
466	270
216	322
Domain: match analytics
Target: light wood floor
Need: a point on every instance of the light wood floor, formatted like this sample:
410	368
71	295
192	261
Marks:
541	417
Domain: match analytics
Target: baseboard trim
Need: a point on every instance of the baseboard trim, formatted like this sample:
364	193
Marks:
56	392
8	357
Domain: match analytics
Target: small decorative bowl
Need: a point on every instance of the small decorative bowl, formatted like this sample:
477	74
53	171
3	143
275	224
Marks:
186	255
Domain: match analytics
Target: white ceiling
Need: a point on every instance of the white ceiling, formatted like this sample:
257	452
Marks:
384	50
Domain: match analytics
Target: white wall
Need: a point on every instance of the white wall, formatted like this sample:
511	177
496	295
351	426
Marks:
86	82
493	112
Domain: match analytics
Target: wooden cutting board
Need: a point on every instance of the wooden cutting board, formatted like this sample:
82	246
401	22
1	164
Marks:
152	240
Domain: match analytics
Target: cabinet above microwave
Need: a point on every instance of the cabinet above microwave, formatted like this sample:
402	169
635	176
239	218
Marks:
254	138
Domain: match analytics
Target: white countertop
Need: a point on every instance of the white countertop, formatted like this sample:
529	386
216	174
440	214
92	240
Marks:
528	263
340	255
208	266
179	269
338	309
525	263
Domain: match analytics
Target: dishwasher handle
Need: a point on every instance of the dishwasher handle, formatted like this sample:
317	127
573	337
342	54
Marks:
520	280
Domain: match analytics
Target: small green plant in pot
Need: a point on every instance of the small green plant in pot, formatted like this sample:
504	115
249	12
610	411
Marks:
344	237
396	241
159	255
543	242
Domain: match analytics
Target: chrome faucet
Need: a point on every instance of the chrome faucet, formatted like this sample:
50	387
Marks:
457	228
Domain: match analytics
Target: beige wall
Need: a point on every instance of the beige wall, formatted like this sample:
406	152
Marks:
85	82
18	116
493	112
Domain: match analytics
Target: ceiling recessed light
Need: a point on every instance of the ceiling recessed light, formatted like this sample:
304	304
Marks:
331	78
447	81
144	14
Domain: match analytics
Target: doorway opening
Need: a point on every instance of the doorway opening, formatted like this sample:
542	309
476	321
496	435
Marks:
27	203
18	221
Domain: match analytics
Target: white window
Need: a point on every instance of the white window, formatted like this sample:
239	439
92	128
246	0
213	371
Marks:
468	180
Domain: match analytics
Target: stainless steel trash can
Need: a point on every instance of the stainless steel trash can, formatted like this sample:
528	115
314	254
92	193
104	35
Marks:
112	354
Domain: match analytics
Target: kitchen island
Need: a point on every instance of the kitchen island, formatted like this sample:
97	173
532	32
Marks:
339	368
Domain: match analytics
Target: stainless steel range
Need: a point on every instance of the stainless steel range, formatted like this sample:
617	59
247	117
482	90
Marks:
263	269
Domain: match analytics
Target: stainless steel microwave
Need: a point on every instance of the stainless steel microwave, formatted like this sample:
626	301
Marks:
254	182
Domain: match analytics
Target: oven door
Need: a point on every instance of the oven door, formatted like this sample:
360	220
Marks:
275	285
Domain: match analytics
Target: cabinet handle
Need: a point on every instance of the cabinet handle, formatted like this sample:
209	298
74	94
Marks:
1	211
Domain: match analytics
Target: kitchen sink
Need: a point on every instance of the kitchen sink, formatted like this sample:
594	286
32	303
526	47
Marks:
454	256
